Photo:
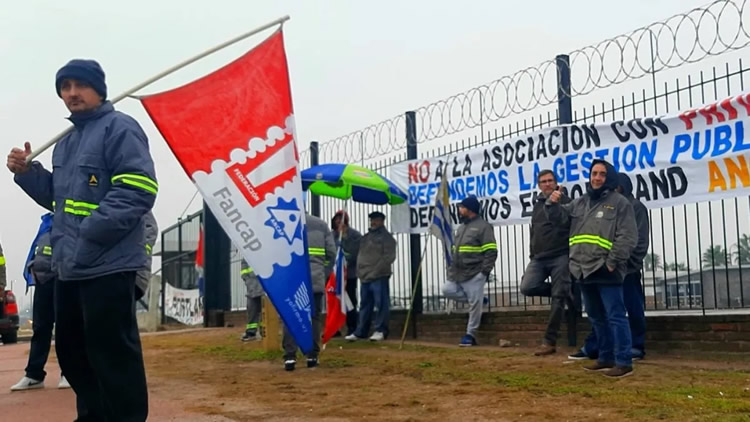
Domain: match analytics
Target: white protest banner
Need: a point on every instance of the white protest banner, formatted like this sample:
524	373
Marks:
183	305
698	155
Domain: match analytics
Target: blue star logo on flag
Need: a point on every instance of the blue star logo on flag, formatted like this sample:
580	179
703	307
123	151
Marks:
285	220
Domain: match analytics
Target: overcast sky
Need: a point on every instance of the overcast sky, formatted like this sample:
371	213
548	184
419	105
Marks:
351	63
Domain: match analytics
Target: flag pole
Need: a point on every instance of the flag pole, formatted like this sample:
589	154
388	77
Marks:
413	293
161	75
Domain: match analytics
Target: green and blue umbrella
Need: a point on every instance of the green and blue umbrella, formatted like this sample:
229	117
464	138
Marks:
345	181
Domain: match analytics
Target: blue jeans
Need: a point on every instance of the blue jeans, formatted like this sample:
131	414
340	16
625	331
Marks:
606	310
374	294
633	297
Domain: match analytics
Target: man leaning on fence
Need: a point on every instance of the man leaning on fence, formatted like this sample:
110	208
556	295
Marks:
474	258
549	257
603	234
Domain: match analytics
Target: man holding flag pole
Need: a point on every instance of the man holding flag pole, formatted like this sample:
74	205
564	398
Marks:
472	261
441	227
469	256
101	186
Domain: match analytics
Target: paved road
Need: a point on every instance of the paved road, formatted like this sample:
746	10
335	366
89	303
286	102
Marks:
51	404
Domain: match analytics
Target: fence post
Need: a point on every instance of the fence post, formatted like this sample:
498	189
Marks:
314	199
564	106
163	281
218	293
180	284
565	116
415	240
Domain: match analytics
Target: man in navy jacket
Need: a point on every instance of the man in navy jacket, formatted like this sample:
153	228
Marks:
101	185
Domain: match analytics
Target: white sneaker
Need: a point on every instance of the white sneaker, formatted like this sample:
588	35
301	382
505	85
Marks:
63	383
27	383
377	336
351	337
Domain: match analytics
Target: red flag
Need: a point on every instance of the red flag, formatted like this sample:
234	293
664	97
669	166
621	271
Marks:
227	108
199	252
199	256
233	133
335	319
336	298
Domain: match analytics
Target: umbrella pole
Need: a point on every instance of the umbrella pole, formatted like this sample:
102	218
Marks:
344	293
413	293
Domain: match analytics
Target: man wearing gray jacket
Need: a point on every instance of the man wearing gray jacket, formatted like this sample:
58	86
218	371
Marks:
474	256
254	295
603	234
377	251
632	288
322	252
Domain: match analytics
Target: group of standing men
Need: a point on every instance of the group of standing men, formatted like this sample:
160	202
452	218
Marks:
369	258
103	185
596	242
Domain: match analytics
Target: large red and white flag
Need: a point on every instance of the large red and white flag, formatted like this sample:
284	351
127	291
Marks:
233	133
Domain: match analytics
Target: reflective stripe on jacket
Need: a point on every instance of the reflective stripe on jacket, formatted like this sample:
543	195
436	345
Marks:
322	251
475	250
41	265
602	232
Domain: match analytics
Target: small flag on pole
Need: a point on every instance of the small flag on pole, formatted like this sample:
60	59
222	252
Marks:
337	299
441	225
199	262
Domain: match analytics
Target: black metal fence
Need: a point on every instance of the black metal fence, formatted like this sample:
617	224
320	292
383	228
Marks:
179	243
699	258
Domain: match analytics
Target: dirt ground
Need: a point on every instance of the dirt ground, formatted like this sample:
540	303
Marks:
211	372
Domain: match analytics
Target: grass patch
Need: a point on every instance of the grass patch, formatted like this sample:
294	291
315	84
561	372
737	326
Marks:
336	362
659	390
239	354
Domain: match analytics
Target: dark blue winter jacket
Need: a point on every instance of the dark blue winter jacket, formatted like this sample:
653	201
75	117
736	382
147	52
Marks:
101	185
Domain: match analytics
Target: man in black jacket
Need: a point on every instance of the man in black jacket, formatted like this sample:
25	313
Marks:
348	238
549	257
